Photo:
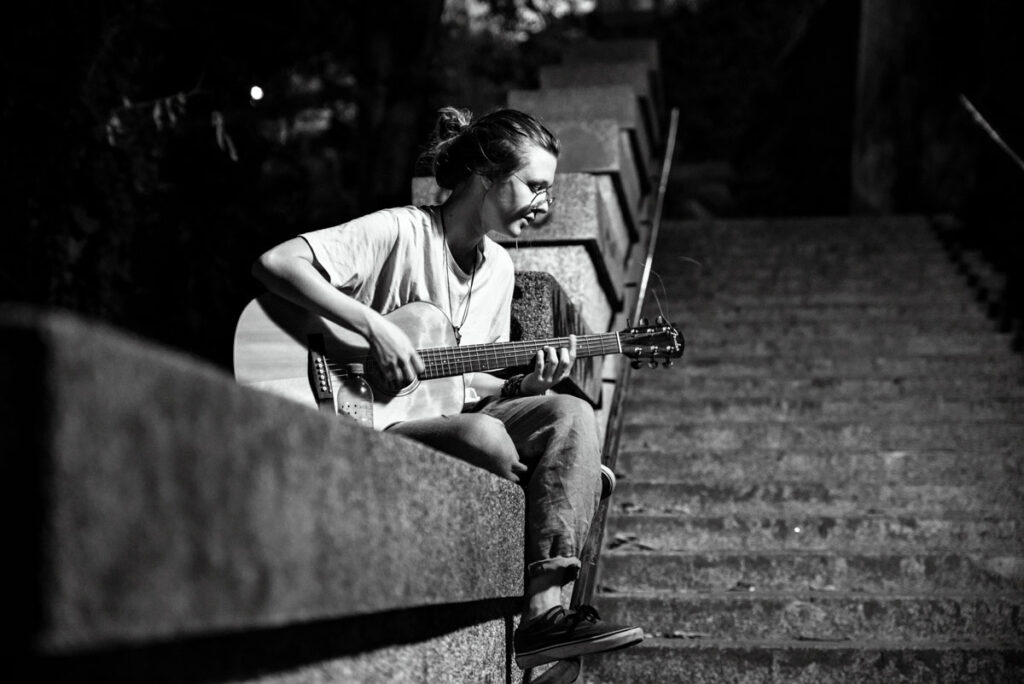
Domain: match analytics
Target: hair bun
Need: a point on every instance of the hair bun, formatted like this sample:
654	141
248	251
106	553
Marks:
451	121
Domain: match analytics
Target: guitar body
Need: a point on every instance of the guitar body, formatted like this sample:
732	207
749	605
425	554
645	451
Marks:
271	352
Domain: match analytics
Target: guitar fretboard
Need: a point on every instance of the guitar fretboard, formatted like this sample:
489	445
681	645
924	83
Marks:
447	361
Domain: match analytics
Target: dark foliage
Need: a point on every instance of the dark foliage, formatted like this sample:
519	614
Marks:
146	180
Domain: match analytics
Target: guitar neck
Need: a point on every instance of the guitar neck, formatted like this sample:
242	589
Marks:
447	361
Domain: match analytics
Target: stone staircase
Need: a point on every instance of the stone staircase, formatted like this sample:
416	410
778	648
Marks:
828	489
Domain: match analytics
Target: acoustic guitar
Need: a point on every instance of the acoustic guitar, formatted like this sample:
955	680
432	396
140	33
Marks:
287	350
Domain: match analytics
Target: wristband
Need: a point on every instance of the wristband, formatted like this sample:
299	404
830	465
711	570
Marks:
513	386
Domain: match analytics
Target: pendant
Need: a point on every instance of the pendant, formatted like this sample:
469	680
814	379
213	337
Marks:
458	335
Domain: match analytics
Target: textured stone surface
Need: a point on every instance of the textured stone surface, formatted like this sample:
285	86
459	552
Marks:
809	531
635	73
575	272
540	310
994	436
617	102
173	502
899	466
877	572
458	643
824	495
614	50
831	491
706	661
601	146
580	217
825	616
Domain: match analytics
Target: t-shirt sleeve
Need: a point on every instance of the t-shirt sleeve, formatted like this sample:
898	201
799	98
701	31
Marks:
350	252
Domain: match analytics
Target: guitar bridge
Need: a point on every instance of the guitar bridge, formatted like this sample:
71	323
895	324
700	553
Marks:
320	374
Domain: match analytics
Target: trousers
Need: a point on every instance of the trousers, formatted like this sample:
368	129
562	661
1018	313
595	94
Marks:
555	437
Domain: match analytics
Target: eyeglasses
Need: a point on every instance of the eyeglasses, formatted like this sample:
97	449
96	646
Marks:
548	195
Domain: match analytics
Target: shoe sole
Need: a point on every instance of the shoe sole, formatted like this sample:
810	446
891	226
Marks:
607	642
607	481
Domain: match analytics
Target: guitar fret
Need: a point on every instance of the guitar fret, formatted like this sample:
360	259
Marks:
447	361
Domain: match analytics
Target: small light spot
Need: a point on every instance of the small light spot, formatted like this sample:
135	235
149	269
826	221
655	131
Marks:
256	93
798	530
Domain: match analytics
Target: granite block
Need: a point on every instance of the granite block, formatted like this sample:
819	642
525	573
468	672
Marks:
618	102
582	216
614	50
635	73
601	147
163	500
541	309
573	268
468	642
614	224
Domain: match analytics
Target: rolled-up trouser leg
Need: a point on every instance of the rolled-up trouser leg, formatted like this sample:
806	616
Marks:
556	436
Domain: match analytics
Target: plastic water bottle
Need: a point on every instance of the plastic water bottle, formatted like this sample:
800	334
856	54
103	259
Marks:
355	398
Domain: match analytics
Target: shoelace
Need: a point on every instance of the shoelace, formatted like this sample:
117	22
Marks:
582	613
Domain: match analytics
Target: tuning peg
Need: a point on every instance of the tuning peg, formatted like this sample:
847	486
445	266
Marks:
652	363
660	320
636	364
668	363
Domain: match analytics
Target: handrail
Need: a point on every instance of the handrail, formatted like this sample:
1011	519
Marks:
583	590
666	169
991	132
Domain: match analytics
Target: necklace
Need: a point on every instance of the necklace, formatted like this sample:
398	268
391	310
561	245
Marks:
457	329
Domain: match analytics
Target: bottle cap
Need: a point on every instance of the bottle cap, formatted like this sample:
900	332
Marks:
354	368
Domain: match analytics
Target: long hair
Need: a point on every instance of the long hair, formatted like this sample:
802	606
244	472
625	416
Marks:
493	145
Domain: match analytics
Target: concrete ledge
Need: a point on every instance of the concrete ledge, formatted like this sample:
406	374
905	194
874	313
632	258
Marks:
576	274
601	147
620	50
162	500
541	309
618	102
615	50
458	643
635	73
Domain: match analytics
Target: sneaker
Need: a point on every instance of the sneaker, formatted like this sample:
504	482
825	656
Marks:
559	634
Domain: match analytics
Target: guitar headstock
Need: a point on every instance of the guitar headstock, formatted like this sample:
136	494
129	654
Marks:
652	343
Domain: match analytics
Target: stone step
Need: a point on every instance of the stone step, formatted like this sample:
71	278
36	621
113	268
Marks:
952	314
740	408
879	572
854	326
906	467
925	299
738	277
869	233
697	342
820	616
803	435
707	661
649	388
757	495
791	250
809	530
879	365
708	258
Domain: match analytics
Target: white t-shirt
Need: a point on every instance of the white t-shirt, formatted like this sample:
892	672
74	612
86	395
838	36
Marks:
396	256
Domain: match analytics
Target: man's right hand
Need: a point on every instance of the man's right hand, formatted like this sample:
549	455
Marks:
396	356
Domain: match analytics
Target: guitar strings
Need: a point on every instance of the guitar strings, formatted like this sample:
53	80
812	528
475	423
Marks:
454	356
